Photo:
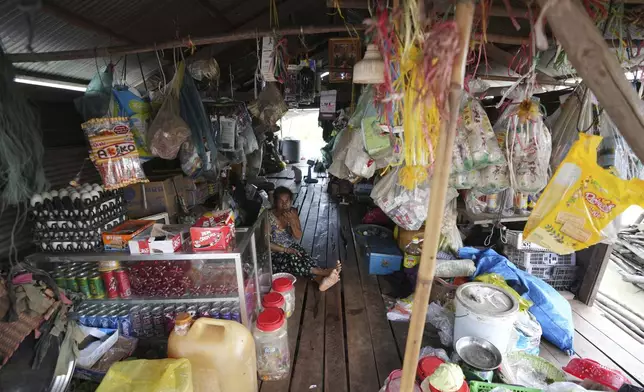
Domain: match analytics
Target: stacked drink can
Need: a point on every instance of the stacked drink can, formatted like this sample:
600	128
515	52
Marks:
105	280
151	320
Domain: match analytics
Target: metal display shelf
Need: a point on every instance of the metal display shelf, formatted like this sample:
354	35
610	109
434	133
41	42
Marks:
251	257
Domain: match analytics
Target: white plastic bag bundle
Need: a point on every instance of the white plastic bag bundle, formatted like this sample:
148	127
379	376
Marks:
493	179
407	208
481	140
357	160
461	154
338	168
467	180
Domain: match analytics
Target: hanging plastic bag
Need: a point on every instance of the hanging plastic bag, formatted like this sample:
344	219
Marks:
467	180
357	160
580	201
114	152
341	147
526	140
168	131
269	106
364	108
481	140
493	179
143	375
461	154
130	104
615	153
451	239
95	103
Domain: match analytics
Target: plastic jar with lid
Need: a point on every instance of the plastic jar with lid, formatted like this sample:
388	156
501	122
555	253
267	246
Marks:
271	345
182	323
285	287
274	300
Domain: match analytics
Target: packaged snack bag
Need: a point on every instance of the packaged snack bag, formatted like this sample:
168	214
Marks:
580	201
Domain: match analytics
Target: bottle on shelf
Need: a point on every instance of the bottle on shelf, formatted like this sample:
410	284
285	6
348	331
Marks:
411	259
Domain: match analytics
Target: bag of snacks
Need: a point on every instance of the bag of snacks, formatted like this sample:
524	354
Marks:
467	180
581	201
113	152
493	179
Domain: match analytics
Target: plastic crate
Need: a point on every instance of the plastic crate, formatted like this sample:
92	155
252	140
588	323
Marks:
562	277
480	386
527	259
515	239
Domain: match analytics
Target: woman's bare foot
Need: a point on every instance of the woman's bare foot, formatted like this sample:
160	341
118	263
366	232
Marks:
326	271
338	266
330	280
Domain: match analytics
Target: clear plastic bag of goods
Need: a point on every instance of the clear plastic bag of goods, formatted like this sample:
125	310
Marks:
493	179
269	106
526	140
130	104
526	334
461	154
406	207
443	319
143	375
481	140
454	268
168	131
466	180
364	108
475	202
582	200
451	239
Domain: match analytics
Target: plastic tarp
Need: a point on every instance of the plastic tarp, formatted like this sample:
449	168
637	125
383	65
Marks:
549	307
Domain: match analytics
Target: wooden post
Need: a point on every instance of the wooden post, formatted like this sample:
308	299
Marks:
442	165
598	66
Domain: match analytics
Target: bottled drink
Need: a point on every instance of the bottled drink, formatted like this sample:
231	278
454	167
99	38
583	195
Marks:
411	260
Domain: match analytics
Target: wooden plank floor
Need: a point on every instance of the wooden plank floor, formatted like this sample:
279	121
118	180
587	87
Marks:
341	340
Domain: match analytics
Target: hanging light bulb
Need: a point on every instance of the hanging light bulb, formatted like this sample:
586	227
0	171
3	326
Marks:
371	69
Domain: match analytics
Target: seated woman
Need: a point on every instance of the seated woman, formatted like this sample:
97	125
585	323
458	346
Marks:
286	253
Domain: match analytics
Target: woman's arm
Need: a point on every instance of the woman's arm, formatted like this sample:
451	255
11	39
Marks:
294	224
277	248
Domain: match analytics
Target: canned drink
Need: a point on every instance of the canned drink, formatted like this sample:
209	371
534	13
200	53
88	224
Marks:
492	202
83	284
125	289
96	287
147	327
82	320
71	283
192	311
179	308
135	318
214	312
169	315
102	320
158	321
92	320
125	324
61	282
225	313
111	285
108	265
235	315
203	311
113	320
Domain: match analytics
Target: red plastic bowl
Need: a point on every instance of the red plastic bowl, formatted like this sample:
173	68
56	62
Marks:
584	368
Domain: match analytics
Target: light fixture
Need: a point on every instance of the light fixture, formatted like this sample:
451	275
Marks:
324	74
49	83
371	69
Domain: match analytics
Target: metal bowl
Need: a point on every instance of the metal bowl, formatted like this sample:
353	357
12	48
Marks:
478	353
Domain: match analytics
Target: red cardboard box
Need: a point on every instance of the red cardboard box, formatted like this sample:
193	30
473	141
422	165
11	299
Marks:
213	231
119	237
160	239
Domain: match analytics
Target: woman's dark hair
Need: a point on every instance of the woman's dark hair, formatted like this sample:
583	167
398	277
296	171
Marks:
282	190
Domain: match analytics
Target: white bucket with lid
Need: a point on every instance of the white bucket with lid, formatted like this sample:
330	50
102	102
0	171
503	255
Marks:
485	311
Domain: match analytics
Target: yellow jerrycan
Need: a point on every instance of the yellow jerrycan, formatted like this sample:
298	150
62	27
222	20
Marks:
221	353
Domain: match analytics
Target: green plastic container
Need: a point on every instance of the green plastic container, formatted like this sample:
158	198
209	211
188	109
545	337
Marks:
480	386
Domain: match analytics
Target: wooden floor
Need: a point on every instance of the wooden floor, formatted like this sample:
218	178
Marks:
341	340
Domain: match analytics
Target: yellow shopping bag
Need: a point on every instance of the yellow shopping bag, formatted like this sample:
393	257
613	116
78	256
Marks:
580	201
160	375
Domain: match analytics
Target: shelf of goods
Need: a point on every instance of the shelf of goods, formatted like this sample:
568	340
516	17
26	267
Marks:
141	294
490	218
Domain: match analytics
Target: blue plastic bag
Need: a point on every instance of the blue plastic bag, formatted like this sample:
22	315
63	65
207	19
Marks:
549	307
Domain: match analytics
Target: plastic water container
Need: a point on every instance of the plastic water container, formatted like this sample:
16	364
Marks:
271	341
221	353
291	150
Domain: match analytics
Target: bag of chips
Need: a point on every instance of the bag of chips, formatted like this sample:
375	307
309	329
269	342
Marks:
581	201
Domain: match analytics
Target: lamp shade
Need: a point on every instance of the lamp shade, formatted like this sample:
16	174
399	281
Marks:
371	69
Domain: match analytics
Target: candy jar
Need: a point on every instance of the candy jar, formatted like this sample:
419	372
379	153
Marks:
285	287
271	345
274	300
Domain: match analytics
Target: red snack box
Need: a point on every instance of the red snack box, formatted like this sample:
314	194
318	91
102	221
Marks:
119	237
213	231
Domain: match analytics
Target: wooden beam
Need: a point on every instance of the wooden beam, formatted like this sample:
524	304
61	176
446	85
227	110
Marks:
506	58
598	66
83	23
178	43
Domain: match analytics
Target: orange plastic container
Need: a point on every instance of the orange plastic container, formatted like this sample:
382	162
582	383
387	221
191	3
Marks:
221	353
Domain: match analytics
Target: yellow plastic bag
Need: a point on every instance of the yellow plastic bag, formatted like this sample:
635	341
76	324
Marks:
160	375
580	202
499	281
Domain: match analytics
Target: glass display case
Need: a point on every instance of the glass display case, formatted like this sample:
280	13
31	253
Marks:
152	288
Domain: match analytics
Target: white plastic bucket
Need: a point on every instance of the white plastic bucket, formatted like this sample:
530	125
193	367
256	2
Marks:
485	311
